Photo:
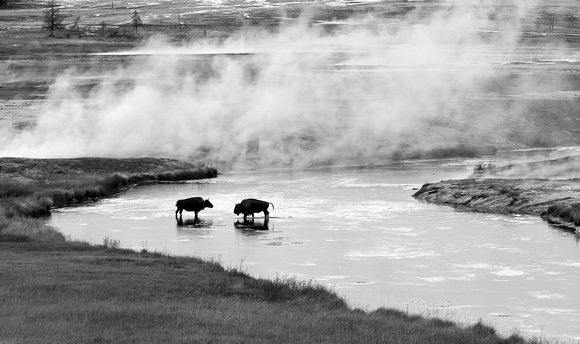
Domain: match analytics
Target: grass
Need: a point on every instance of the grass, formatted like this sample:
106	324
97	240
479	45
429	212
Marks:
22	229
31	187
72	292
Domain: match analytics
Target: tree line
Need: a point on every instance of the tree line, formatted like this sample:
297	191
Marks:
53	20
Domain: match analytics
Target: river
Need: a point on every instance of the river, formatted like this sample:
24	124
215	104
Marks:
360	232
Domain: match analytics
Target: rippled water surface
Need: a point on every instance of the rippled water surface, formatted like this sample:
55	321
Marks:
361	232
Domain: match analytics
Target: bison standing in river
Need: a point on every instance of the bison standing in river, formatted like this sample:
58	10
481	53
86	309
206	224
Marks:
195	204
251	206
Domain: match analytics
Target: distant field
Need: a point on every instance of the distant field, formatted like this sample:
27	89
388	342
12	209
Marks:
421	75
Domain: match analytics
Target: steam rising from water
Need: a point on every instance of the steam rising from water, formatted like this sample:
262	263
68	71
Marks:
299	97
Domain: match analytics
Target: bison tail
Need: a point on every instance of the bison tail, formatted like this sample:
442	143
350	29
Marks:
272	205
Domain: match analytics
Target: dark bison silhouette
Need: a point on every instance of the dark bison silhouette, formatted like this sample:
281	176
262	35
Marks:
195	204
249	206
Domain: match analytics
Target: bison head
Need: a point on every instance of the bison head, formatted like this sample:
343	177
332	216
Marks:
237	209
207	204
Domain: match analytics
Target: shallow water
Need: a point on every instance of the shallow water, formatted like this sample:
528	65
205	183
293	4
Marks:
359	231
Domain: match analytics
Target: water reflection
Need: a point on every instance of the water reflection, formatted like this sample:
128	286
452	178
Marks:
566	231
194	223
252	225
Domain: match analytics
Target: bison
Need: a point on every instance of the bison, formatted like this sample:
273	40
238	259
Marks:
195	204
251	206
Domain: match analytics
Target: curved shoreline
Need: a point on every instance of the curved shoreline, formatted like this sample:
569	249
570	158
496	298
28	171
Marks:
74	292
506	196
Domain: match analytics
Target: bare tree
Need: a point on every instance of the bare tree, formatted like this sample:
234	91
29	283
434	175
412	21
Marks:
53	19
103	26
549	19
75	27
136	20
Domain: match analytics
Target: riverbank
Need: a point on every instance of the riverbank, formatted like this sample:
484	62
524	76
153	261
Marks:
70	292
30	188
553	200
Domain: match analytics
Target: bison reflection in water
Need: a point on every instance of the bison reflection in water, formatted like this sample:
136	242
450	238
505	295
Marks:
250	225
194	223
195	204
249	206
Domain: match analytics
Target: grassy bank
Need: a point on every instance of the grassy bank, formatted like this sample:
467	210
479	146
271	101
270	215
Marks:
76	293
30	188
54	290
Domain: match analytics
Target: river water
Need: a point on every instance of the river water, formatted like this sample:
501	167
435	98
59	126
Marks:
359	231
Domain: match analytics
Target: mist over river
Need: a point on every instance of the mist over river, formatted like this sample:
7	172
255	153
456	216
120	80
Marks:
360	232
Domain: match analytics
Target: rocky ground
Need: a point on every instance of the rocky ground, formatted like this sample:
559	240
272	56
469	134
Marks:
526	185
505	196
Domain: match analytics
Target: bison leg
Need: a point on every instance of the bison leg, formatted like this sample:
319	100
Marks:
266	214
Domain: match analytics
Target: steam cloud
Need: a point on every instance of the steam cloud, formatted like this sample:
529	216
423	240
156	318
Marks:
299	97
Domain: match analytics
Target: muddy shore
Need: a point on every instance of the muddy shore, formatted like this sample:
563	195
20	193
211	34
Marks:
505	196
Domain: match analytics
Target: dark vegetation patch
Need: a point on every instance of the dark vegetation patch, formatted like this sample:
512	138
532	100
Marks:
13	238
567	213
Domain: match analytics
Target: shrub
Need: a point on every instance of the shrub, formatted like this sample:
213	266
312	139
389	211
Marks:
566	212
482	167
113	183
284	290
482	330
396	314
94	192
111	244
17	228
206	172
10	188
28	206
436	322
